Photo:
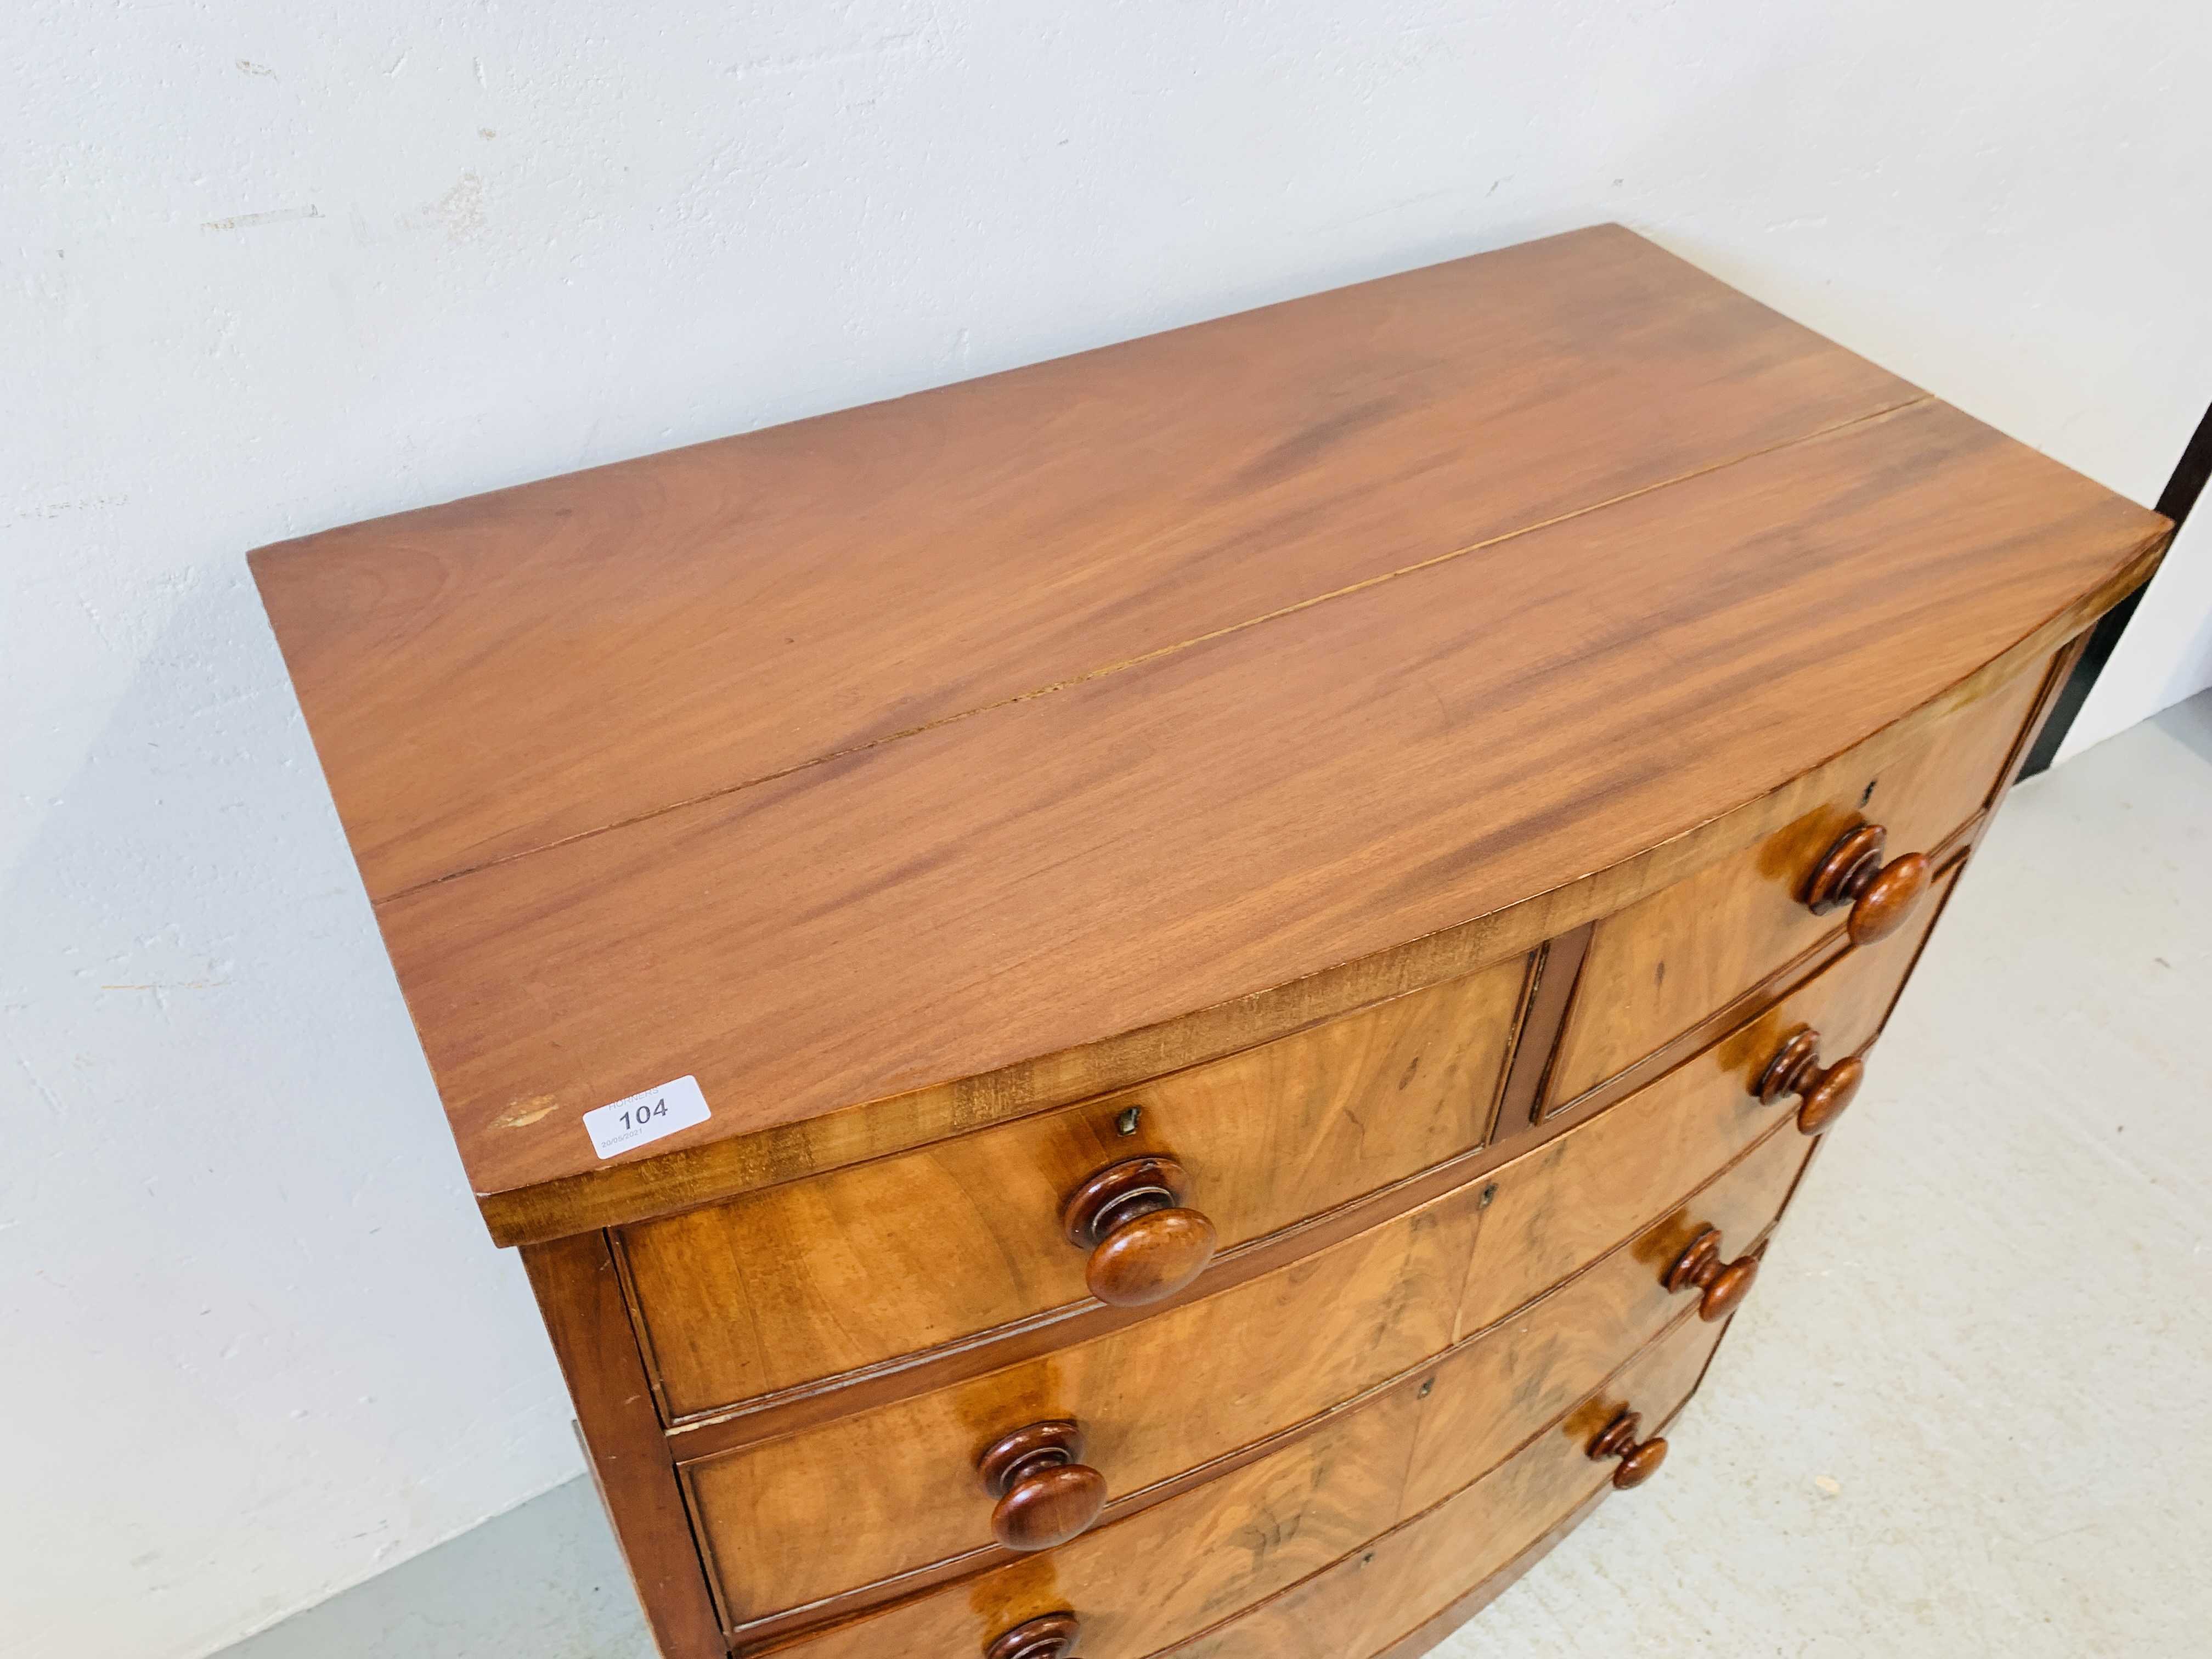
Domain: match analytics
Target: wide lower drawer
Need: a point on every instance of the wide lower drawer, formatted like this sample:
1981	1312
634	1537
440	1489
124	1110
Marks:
1383	1592
842	1271
1659	968
1205	1556
862	1499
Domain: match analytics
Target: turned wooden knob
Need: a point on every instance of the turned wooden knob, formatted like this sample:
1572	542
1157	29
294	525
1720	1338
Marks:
1725	1284
1880	895
1639	1460
1046	1492
1049	1636
1144	1243
1795	1069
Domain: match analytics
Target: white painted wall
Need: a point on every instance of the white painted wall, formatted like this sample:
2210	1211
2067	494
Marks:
2166	651
270	267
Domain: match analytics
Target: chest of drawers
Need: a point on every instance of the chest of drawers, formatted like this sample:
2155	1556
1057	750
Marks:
1162	1003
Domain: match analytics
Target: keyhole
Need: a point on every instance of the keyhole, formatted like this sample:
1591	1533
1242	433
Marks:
1127	1124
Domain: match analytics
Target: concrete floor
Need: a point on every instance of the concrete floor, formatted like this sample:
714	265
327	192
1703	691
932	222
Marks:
1965	1413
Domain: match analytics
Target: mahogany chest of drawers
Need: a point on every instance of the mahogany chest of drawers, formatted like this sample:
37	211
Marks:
1161	1004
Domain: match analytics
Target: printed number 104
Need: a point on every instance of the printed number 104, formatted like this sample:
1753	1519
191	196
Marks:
638	1117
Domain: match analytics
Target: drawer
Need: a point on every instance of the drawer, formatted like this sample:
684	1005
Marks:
865	1265
1193	1560
1490	1392
1558	1206
894	1488
1659	968
1203	1379
1436	1562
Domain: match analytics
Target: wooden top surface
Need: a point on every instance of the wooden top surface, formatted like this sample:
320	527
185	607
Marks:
894	747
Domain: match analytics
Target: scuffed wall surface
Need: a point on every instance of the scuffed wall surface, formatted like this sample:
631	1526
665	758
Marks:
272	268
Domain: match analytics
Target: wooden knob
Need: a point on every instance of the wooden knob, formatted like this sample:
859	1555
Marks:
1144	1244
1881	895
1795	1069
1725	1284
1049	1636
1046	1494
1639	1460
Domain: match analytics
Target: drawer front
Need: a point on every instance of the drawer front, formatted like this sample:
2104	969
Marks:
1187	1563
864	1264
1659	968
886	1490
1202	1380
1370	1599
1558	1206
1491	1391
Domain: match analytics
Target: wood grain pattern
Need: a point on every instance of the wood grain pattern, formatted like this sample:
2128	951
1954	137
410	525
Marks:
1184	833
1847	1002
1544	1355
581	1300
1722	1021
1456	1611
1372	1597
769	1416
1200	1380
1566	1202
1659	967
813	1278
1435	1628
495	674
1562	1203
765	1156
1556	968
1312	705
1184	1386
1173	1568
1177	1566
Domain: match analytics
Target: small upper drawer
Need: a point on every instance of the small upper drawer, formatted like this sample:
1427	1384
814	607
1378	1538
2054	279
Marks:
1565	1202
838	1272
1663	966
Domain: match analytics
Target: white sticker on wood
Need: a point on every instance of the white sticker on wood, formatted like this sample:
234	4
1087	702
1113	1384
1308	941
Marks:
616	1129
